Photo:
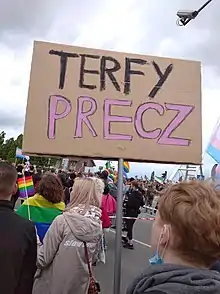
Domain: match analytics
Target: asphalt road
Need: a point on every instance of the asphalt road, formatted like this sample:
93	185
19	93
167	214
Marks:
133	261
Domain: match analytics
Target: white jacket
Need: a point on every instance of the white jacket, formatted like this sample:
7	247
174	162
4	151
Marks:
62	267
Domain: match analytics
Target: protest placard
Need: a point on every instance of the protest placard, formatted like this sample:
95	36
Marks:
105	104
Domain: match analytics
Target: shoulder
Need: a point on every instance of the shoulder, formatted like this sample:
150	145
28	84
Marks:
58	225
23	224
29	201
59	220
155	292
60	205
216	266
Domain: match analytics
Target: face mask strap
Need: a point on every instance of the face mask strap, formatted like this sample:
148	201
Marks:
158	244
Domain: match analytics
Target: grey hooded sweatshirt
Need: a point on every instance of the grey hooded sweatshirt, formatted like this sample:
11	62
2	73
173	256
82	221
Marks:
62	267
176	279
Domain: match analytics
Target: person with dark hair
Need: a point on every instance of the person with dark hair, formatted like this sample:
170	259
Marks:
20	174
20	169
63	178
37	177
107	182
45	205
71	179
53	171
32	169
134	202
18	246
108	201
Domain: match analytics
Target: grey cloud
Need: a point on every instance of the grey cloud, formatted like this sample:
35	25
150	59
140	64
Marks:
199	40
23	20
11	120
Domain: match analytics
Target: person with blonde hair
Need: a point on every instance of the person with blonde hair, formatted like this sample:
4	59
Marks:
62	263
186	240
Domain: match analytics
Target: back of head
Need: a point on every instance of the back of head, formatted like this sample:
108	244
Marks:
63	179
20	168
106	190
32	169
50	187
192	211
39	170
135	184
86	191
8	178
104	175
72	176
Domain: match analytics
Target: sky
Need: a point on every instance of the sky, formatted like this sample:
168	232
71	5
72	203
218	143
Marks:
136	26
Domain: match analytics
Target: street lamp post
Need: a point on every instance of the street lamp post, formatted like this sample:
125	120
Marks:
185	16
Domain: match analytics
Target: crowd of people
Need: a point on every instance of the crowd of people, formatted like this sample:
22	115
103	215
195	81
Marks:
53	238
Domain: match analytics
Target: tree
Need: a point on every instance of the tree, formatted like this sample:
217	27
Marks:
8	151
2	140
19	141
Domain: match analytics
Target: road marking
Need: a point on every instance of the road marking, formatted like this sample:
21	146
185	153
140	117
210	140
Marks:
142	243
136	241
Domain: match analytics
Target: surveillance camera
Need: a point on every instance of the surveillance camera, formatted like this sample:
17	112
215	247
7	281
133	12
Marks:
187	14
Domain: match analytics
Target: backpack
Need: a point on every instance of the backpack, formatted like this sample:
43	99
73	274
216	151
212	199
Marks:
113	190
109	204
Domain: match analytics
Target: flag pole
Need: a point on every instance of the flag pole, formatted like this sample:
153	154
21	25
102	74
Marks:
26	195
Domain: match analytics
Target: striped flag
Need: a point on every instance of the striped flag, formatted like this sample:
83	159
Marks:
213	148
26	187
126	167
42	212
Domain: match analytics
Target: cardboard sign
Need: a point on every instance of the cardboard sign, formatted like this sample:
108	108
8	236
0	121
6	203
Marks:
102	104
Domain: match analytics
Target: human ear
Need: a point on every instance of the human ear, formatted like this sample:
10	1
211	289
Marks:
165	234
15	189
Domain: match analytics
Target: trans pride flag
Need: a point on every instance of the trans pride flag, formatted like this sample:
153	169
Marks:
213	148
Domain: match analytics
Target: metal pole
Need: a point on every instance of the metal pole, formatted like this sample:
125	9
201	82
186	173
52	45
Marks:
196	12
117	263
204	6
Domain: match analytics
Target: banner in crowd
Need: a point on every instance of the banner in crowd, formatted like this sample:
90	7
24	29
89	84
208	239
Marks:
213	148
25	187
126	167
105	104
19	154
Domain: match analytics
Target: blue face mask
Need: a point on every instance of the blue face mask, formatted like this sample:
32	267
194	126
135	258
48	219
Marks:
156	259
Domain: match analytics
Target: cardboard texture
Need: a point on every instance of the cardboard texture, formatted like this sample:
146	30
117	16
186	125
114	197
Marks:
104	104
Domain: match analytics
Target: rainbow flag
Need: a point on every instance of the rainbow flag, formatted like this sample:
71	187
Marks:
26	187
126	167
42	212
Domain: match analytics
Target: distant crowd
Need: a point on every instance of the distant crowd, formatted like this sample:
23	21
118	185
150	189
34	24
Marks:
52	239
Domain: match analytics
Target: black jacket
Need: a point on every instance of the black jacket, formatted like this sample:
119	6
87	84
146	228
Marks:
134	202
18	251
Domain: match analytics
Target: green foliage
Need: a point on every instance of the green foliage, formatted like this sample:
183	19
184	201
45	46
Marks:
8	151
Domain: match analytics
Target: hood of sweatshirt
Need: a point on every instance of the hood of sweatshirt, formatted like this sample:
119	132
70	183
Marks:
85	225
171	279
